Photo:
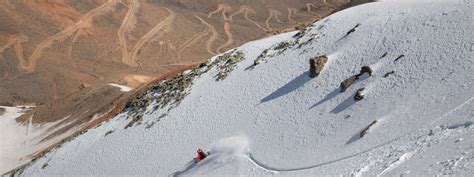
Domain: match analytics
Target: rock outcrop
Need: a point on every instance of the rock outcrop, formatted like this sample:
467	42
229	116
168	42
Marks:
316	65
366	129
347	83
359	94
366	69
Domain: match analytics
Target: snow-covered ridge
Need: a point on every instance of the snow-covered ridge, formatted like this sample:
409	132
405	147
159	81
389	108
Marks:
268	117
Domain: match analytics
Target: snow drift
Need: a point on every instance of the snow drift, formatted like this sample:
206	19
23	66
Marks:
415	116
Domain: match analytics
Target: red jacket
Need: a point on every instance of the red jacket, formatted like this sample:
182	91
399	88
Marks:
201	154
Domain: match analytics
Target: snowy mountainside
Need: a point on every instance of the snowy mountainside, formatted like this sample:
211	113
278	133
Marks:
260	113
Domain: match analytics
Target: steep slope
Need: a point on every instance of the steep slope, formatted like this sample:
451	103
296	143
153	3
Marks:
64	56
97	41
260	114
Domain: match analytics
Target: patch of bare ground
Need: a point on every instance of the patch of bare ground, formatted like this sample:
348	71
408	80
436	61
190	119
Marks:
61	55
112	110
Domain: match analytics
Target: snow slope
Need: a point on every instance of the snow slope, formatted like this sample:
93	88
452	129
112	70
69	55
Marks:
273	119
13	136
19	140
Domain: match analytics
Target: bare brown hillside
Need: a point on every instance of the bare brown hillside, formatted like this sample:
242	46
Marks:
61	55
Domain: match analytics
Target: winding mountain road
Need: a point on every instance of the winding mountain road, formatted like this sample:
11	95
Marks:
213	37
132	59
29	65
127	23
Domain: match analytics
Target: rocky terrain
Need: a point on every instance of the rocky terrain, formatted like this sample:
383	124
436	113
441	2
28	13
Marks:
381	89
69	61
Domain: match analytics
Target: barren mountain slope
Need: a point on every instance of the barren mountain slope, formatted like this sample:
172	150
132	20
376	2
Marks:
56	46
65	57
388	92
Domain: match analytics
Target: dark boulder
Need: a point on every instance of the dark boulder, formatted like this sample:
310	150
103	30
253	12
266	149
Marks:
366	69
347	83
399	57
202	65
363	70
316	65
388	74
366	129
352	30
359	94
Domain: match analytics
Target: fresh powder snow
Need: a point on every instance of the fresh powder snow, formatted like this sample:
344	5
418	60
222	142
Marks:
272	119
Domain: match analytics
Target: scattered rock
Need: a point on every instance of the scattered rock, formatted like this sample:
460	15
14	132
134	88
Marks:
227	63
150	125
316	65
347	83
388	74
256	62
399	57
283	45
202	65
359	94
353	29
44	165
273	51
162	115
169	93
108	132
366	69
306	42
260	58
136	119
301	32
431	133
366	129
139	102
458	140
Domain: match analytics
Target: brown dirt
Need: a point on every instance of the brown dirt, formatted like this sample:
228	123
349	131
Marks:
61	55
117	108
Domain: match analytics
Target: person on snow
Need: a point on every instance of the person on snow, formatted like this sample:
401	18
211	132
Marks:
201	155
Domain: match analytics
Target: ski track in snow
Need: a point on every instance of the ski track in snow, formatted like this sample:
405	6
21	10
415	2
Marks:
400	160
429	90
403	158
222	152
238	146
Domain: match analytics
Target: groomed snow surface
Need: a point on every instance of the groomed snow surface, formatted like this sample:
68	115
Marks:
274	120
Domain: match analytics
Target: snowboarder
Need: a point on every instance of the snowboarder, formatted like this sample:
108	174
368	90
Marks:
201	155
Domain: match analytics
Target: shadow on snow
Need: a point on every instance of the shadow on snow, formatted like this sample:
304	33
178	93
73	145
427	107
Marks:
289	87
